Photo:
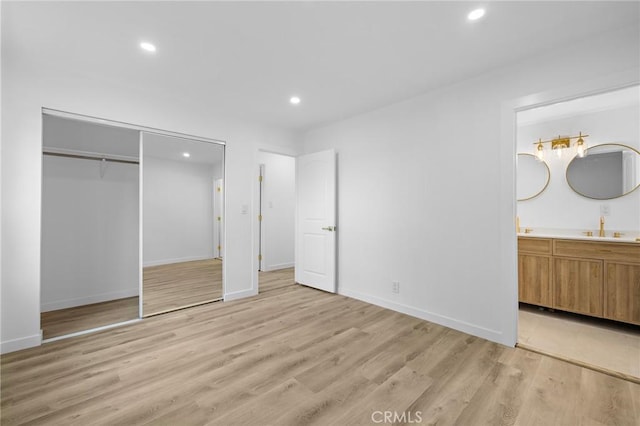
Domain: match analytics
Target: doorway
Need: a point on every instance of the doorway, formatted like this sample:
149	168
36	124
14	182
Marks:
276	220
573	303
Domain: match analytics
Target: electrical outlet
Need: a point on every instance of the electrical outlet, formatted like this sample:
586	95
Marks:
395	287
605	210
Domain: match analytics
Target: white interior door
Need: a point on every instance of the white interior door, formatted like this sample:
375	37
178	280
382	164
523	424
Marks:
315	263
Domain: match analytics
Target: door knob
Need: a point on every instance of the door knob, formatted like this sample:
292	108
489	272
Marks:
330	228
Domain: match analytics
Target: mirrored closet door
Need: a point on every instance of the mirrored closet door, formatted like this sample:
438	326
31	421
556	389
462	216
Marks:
90	226
181	222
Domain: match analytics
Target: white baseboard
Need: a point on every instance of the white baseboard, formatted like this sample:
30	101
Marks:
240	294
465	327
21	343
278	266
87	300
176	260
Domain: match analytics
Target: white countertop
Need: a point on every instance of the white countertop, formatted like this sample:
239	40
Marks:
579	234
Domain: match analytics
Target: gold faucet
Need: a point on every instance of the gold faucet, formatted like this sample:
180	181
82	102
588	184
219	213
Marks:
601	233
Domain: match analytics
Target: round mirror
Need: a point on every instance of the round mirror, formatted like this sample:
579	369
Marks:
533	177
607	171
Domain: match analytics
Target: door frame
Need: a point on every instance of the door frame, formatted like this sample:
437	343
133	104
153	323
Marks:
508	149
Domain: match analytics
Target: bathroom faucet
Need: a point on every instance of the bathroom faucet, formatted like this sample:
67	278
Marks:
601	233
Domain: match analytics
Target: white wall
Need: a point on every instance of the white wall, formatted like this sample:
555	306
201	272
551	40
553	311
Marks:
89	232
25	90
278	210
426	189
177	211
559	206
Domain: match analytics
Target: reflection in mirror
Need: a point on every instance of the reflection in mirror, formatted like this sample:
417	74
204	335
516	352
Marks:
533	177
182	205
607	171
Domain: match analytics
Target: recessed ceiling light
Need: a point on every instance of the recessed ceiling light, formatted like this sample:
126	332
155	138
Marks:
186	155
475	14
294	100
148	46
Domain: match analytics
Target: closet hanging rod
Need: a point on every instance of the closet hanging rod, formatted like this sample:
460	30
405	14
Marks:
90	157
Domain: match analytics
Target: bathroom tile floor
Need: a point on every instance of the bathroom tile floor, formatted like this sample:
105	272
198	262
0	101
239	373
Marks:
605	344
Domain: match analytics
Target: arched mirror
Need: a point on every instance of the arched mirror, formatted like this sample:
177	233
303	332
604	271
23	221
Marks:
607	171
533	177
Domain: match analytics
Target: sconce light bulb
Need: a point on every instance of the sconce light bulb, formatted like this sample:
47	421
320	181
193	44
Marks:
540	151
559	152
581	147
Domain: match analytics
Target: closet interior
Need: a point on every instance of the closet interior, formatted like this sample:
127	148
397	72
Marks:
90	226
131	224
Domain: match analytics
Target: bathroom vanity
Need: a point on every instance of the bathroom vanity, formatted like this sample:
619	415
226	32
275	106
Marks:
588	275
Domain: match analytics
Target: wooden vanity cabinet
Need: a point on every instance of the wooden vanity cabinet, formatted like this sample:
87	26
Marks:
595	278
622	292
577	286
534	271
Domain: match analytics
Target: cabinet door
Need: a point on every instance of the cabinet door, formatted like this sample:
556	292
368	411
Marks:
578	286
534	279
622	292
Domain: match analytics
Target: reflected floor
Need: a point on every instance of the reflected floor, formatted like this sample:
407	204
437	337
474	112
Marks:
600	343
179	285
80	318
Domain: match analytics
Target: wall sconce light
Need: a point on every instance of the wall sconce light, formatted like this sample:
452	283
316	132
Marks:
561	143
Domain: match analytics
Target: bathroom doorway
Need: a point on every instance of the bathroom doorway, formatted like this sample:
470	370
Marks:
578	301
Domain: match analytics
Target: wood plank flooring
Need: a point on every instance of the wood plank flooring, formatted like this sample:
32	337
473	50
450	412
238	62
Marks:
80	318
294	356
178	285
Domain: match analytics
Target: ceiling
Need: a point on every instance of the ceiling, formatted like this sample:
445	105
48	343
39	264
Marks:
246	59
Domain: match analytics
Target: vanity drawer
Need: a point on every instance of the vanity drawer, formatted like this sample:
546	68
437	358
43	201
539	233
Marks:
621	252
534	245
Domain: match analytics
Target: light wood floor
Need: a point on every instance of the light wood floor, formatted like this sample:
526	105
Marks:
605	344
177	285
293	356
80	318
